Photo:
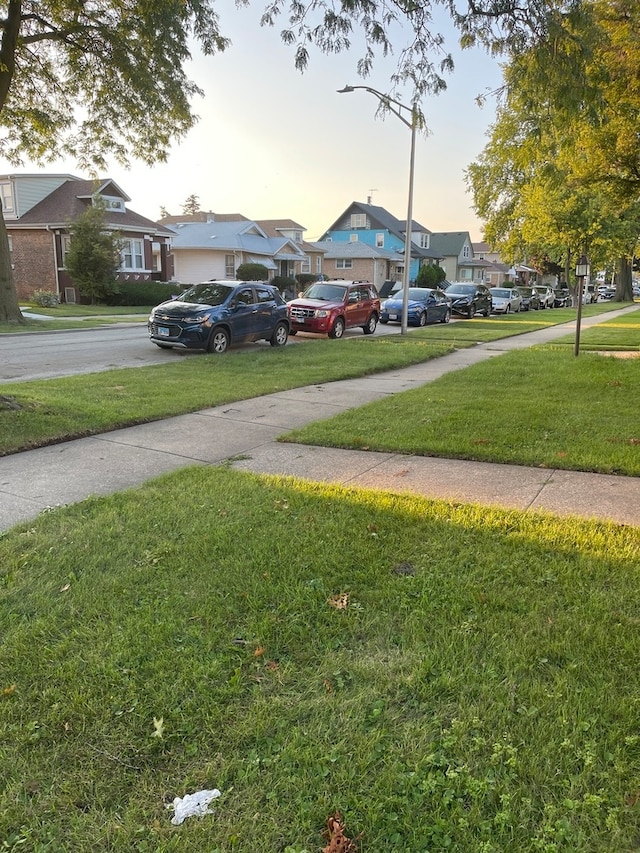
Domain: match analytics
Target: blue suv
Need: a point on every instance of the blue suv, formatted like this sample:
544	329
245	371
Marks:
215	314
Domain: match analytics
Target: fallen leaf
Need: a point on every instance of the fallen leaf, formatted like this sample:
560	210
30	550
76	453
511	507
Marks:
259	651
66	587
335	834
340	601
7	691
158	727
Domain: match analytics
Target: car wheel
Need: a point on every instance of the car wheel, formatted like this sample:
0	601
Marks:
508	309
447	316
219	341
384	322
470	312
422	319
487	312
337	330
279	336
370	326
293	331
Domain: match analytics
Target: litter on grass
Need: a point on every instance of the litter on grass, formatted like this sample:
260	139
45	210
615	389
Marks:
192	804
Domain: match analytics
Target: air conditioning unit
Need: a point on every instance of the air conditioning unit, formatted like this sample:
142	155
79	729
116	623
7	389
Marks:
70	295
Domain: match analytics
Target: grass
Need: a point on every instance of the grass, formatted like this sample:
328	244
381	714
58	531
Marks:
46	411
540	407
447	676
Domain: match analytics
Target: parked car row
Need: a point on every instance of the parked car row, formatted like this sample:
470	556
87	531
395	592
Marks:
215	314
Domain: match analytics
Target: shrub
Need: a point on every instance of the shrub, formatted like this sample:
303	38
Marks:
45	298
304	279
430	275
144	292
252	272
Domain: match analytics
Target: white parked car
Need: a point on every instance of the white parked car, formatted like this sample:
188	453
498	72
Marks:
505	300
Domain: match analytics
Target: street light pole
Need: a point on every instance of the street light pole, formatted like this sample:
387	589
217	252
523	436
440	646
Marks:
582	272
395	107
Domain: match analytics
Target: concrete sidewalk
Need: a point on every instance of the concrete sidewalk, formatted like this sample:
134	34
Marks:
244	434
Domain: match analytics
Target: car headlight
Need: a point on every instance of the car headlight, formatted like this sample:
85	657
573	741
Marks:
195	318
321	312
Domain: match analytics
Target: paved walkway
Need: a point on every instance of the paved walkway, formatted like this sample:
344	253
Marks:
245	433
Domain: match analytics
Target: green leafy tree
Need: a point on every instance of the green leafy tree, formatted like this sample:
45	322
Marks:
252	272
107	77
430	275
94	254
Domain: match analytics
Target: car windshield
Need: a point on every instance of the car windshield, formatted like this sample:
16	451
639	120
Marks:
500	292
209	293
526	291
326	292
461	290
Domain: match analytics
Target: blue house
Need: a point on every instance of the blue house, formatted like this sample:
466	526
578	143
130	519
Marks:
376	227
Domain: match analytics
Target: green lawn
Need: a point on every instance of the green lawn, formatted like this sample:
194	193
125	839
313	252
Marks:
447	677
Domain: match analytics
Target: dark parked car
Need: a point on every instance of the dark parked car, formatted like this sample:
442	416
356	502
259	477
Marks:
215	314
424	305
561	297
530	298
469	299
330	307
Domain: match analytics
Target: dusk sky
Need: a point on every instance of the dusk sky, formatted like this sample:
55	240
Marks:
274	143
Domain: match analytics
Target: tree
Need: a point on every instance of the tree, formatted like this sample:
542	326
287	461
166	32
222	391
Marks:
107	77
430	275
164	212
191	205
94	254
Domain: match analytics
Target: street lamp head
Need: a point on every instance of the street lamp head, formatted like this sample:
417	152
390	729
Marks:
582	267
346	89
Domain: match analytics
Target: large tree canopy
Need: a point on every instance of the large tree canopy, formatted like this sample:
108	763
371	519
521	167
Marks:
561	171
88	79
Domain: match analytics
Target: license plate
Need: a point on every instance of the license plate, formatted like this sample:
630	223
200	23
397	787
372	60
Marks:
298	319
393	316
163	331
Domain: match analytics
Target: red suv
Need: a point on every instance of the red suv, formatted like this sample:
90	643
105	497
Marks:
330	307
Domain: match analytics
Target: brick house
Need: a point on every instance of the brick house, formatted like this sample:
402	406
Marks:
38	210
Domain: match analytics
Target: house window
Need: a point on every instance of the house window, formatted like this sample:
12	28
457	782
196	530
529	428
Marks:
319	265
111	202
465	251
358	220
230	266
466	274
132	254
297	238
6	196
65	245
344	264
353	238
380	241
424	241
10	241
305	266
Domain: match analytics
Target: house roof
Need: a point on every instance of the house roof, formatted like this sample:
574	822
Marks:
239	235
203	216
274	227
70	199
346	249
449	243
381	217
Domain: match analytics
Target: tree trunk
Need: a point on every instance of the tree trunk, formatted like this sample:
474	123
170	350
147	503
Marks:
624	292
9	308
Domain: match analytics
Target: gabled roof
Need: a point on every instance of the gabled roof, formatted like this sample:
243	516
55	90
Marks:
71	198
239	235
380	218
346	249
449	243
274	227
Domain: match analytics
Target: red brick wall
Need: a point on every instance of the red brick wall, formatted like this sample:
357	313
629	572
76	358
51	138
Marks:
33	261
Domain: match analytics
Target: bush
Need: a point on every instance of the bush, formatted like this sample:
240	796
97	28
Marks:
304	279
45	298
430	275
252	272
144	292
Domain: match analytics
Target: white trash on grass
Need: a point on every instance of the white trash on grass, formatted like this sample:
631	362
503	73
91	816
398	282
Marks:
192	804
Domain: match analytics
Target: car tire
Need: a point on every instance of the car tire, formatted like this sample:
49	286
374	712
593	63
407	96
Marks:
422	319
219	341
447	316
279	336
487	312
337	330
293	332
470	312
370	326
508	309
384	322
